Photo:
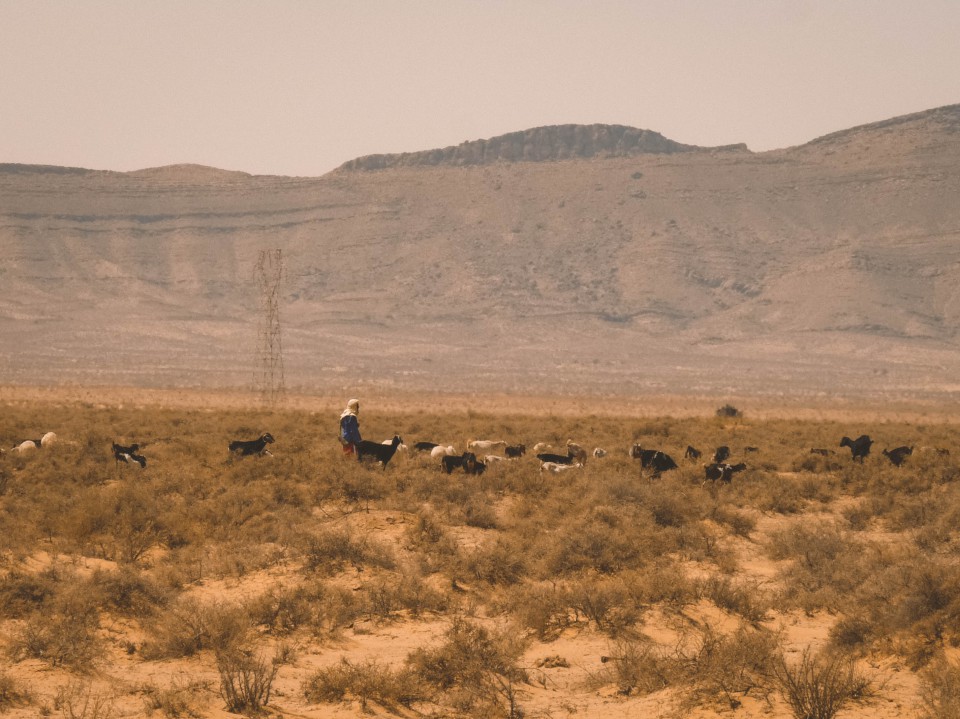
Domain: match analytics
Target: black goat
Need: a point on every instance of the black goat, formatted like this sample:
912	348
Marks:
898	455
556	458
376	452
859	447
721	454
424	446
128	455
477	468
692	453
516	451
723	472
245	448
653	459
467	461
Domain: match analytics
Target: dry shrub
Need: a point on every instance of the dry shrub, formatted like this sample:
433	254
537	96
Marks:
479	512
130	593
426	530
663	583
246	680
940	690
819	685
61	643
672	508
732	664
817	463
237	558
740	523
179	699
499	563
742	598
476	670
77	700
851	632
708	664
923	617
366	681
282	610
189	626
784	496
64	633
323	608
12	693
541	607
22	594
385	598
828	565
355	485
136	523
639	667
858	515
607	540
436	549
329	551
607	603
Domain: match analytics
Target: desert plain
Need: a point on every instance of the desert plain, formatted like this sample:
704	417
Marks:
304	584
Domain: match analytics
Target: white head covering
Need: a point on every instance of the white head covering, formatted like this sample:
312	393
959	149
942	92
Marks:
353	406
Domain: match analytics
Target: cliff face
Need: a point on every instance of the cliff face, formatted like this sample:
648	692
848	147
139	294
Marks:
832	267
540	144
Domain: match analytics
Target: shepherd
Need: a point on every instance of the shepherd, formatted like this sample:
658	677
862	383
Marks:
350	428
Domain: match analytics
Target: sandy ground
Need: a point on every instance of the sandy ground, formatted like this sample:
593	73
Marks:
565	688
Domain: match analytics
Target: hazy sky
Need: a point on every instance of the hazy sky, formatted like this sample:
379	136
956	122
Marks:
297	87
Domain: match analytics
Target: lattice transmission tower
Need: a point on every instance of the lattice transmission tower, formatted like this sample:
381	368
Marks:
268	376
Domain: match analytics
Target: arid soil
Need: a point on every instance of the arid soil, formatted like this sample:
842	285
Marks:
566	673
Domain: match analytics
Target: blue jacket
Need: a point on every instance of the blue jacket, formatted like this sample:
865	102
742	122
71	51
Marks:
350	428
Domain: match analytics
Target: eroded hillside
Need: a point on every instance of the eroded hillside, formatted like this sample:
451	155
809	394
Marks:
827	268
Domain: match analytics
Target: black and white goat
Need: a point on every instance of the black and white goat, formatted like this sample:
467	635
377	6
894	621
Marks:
692	453
721	455
653	459
370	451
722	472
258	447
128	455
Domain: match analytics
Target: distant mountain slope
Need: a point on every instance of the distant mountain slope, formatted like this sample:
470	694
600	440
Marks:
539	144
832	267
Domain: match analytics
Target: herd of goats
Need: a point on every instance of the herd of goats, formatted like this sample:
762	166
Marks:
653	461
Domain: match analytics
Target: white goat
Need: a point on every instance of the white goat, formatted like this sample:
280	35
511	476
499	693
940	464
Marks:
478	445
441	451
555	468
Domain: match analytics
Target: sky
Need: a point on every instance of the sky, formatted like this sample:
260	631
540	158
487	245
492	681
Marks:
297	87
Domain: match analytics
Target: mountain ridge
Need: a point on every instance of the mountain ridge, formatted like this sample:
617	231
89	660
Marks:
830	267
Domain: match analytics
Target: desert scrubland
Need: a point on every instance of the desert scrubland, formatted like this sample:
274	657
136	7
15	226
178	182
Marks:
306	585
